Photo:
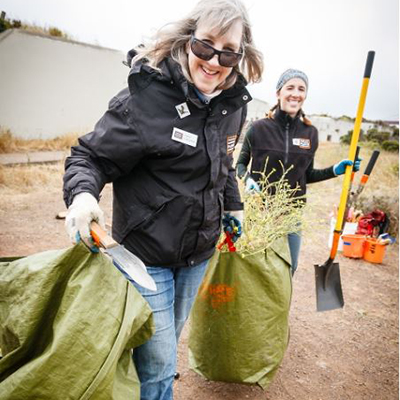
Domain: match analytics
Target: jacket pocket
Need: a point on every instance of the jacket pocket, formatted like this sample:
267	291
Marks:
160	237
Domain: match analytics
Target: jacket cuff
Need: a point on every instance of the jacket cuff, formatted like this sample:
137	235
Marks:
234	206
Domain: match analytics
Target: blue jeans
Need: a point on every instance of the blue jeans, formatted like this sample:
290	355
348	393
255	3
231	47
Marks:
155	360
294	239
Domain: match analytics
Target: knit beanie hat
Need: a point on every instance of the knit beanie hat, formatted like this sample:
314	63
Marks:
290	74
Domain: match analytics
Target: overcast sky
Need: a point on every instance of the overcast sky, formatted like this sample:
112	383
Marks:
327	39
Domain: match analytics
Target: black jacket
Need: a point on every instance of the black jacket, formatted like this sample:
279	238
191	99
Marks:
285	142
172	177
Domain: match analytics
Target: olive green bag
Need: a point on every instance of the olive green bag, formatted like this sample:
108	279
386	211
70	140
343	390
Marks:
239	327
68	322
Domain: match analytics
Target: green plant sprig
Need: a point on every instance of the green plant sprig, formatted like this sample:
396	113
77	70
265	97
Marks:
270	214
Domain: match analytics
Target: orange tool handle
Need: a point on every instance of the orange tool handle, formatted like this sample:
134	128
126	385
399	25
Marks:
100	236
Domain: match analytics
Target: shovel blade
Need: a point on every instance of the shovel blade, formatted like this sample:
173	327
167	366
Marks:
328	287
131	267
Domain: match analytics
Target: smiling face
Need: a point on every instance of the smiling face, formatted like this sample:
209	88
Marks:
292	96
208	75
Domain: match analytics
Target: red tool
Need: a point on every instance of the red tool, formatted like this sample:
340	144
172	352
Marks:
228	241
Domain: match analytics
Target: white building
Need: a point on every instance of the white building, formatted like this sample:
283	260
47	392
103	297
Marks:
257	109
52	86
331	129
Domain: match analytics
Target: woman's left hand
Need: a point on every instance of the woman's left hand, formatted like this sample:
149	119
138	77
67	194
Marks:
340	167
232	222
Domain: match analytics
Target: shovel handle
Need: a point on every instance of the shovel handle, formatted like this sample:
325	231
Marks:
369	63
354	140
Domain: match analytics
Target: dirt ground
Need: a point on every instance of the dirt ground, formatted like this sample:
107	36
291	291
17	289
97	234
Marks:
351	353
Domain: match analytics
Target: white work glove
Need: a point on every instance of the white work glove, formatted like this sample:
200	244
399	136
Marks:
232	222
83	210
252	186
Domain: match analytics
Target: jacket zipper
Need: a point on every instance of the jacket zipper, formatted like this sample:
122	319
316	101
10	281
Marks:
287	143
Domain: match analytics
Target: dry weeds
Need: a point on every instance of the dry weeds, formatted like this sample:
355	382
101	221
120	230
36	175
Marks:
12	144
28	178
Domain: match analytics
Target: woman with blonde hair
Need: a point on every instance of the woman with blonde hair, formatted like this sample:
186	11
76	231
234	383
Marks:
166	144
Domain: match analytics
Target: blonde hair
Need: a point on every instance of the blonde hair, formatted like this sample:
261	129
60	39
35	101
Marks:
172	39
270	115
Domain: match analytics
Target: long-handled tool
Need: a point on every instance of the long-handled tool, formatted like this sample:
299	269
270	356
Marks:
130	265
364	179
348	203
327	276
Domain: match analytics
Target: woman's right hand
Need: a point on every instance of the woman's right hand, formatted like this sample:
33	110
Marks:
83	210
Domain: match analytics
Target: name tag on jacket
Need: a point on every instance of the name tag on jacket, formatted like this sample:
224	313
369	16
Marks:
302	143
179	135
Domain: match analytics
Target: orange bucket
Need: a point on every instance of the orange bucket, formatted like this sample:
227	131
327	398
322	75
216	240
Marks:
353	245
374	251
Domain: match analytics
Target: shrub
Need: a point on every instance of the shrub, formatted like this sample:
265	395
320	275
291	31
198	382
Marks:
55	32
373	135
390	145
269	215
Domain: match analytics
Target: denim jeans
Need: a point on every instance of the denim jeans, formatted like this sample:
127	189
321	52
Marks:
155	360
294	239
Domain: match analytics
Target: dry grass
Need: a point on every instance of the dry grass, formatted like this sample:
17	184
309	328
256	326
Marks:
28	178
11	144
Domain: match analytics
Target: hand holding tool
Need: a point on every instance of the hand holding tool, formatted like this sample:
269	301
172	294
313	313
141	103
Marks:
83	210
232	223
340	167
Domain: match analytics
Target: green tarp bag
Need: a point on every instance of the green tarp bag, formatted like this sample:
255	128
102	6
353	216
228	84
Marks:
68	322
239	328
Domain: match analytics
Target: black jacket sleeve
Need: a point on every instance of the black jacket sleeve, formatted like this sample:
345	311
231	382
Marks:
232	200
245	154
106	153
318	175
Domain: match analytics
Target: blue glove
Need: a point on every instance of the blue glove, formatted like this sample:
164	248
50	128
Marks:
232	223
252	185
340	167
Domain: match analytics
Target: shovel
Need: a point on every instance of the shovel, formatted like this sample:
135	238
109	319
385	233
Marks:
131	266
327	276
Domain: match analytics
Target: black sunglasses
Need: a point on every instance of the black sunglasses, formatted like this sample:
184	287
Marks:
206	52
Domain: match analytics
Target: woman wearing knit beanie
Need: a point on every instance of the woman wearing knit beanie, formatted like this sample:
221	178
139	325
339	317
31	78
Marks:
286	141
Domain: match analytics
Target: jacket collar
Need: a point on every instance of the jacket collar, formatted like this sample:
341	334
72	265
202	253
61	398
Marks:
283	118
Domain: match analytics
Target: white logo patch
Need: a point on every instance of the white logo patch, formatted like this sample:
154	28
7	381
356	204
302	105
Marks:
183	110
302	143
179	135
